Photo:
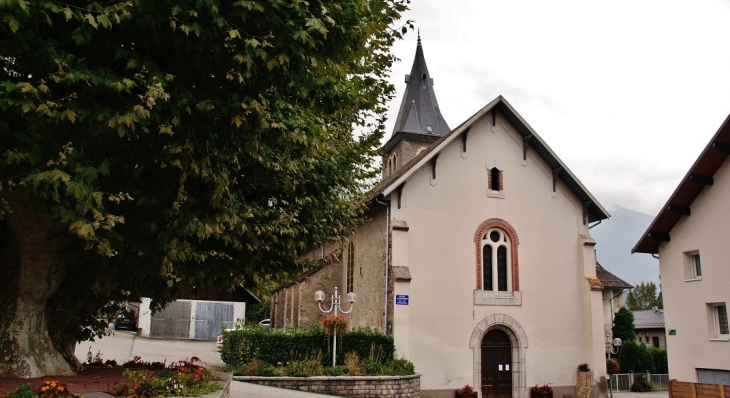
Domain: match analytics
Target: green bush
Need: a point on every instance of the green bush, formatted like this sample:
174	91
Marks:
399	367
284	346
659	357
23	391
641	385
635	357
336	370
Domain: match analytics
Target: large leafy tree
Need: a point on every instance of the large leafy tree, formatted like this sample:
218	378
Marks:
644	296
147	145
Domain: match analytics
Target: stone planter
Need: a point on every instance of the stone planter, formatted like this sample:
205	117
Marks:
541	394
460	395
584	384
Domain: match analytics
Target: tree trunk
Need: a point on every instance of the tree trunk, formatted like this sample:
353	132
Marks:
30	272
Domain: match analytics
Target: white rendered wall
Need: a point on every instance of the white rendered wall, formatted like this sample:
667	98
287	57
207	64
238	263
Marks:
561	317
707	229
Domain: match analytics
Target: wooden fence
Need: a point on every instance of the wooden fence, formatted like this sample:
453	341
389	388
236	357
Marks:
679	389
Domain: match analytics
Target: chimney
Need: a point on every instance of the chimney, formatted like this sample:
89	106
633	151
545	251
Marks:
655	308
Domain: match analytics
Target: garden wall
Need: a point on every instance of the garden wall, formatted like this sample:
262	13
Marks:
348	386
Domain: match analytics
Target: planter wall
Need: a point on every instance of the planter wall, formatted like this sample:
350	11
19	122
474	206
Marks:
347	386
584	384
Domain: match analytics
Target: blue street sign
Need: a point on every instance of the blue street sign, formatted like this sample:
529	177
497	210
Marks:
401	299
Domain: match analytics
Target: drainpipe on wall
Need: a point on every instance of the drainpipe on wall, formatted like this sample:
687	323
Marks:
387	260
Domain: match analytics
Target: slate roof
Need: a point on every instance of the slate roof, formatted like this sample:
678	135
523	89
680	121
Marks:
648	319
390	183
700	174
419	110
609	280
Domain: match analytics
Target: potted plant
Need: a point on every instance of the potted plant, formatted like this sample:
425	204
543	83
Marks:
466	391
543	391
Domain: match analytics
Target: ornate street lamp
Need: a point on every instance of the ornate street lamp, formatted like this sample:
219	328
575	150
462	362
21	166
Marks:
610	350
335	305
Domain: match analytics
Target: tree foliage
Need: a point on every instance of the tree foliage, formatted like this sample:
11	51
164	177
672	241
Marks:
659	358
623	325
644	296
635	357
186	142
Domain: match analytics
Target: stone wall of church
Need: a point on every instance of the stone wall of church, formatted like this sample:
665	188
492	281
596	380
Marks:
294	305
369	273
405	150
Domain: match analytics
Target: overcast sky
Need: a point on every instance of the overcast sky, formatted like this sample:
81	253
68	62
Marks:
627	93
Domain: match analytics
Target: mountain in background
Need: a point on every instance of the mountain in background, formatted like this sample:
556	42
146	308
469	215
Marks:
616	237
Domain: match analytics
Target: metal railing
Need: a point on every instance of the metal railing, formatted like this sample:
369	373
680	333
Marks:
623	381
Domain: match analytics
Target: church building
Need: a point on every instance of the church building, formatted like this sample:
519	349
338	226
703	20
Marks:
476	255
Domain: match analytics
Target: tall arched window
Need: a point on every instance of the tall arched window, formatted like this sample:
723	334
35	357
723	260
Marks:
350	266
495	260
497	268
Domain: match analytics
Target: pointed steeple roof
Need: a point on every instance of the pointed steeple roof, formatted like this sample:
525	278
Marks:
419	110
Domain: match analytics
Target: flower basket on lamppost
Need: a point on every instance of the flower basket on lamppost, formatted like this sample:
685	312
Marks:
335	322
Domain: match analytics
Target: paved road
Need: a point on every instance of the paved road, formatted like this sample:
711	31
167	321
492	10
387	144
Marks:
123	346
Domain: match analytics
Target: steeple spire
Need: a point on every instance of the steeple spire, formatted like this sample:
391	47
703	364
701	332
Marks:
419	111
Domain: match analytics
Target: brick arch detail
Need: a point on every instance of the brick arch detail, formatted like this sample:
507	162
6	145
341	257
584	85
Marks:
514	242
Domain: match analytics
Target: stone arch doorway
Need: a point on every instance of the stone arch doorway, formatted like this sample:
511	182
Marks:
511	329
496	354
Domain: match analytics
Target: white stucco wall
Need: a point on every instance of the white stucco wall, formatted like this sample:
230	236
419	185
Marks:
686	310
561	318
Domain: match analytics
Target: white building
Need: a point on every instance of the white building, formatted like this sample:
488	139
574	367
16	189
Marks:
477	255
690	235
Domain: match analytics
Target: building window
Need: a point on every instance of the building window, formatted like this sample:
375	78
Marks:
495	260
495	180
497	264
350	266
655	341
693	266
719	321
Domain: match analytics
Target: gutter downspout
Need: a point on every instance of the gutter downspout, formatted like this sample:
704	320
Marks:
387	260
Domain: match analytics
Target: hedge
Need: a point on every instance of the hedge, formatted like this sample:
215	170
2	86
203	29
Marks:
283	346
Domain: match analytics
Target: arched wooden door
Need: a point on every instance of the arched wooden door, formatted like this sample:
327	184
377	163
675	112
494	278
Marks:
496	365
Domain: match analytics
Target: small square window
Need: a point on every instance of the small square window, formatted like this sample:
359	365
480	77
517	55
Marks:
693	266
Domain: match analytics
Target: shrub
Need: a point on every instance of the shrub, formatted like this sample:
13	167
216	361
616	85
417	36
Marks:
23	391
584	367
641	385
659	358
352	361
306	366
336	370
635	357
399	367
282	346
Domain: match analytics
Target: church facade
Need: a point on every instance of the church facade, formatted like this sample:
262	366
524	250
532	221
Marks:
476	255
